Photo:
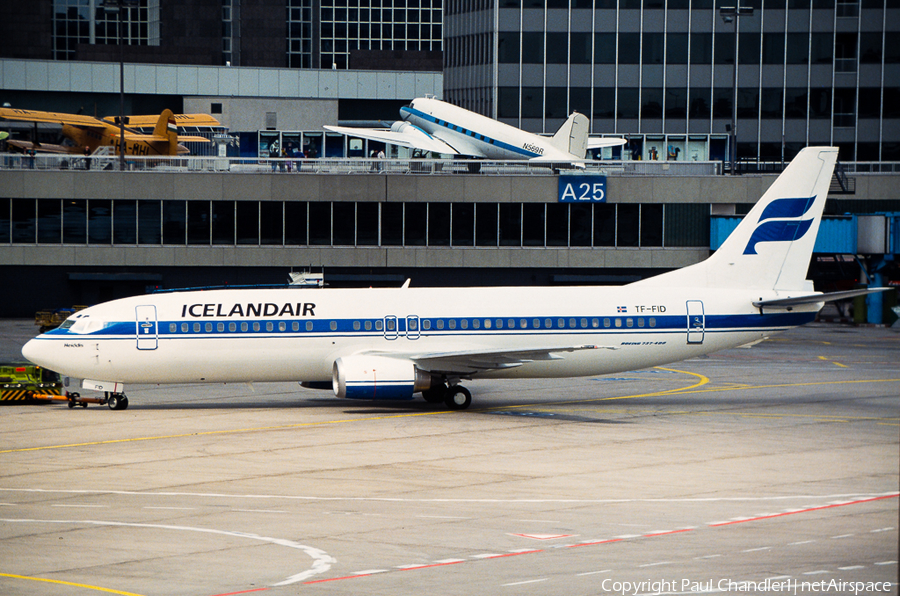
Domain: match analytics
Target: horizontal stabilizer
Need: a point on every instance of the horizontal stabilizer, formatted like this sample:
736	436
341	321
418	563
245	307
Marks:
815	298
600	142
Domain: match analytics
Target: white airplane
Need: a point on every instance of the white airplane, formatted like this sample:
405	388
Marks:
429	124
389	344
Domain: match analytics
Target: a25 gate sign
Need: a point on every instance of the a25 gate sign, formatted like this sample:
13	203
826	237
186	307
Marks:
582	189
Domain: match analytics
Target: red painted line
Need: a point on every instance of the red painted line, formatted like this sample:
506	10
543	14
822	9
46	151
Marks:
431	565
823	507
597	542
334	579
524	552
667	533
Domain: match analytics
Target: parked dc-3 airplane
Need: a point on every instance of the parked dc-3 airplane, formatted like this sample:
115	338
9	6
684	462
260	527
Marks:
86	131
429	124
392	343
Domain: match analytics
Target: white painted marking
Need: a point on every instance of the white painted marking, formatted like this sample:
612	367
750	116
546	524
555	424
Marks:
656	564
530	581
753	550
322	561
594	572
173	508
412	566
818	572
626	536
888	529
442	517
886	563
777	577
852	567
487	556
801	542
448	561
537	521
842	536
706	557
370	572
259	510
79	506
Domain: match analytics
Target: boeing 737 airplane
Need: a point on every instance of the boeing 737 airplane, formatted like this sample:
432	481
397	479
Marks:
389	344
429	124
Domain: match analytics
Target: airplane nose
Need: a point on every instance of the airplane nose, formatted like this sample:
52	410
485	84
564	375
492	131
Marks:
35	351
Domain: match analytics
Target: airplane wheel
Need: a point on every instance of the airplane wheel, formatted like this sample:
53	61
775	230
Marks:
436	394
112	402
458	398
71	404
84	404
123	403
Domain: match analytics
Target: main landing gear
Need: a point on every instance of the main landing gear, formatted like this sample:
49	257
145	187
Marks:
114	401
455	397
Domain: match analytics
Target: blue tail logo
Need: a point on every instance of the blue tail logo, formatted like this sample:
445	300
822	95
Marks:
780	222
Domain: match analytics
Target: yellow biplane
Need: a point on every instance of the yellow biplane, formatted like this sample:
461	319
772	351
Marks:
88	134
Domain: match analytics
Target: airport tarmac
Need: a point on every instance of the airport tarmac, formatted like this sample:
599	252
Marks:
771	469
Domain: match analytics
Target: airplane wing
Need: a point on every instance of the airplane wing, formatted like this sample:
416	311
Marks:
51	117
42	147
598	142
403	134
469	362
180	120
148	138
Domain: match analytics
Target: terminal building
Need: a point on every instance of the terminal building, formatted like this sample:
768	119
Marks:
658	73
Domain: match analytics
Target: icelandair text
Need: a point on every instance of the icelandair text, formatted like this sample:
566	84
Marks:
268	309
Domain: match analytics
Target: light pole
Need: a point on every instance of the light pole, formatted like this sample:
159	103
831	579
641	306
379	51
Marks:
729	14
109	7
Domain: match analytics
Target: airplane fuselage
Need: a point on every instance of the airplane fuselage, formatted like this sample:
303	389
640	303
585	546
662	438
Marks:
297	334
493	139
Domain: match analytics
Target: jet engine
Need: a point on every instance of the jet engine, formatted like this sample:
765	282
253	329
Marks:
377	377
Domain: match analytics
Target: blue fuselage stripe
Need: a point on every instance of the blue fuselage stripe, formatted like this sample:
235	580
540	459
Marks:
468	132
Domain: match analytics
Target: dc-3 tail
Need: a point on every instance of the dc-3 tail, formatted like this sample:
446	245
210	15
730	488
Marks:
772	246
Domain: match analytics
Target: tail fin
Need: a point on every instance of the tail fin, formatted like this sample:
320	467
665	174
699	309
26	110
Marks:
167	129
772	246
572	136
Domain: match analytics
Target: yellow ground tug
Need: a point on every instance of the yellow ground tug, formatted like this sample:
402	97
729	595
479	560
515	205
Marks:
23	382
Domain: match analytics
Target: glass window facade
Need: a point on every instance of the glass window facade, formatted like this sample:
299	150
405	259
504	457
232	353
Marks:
667	67
104	222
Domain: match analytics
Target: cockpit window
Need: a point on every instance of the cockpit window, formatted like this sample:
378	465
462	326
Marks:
67	323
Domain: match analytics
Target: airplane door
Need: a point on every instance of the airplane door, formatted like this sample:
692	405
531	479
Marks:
412	327
390	327
696	322
146	328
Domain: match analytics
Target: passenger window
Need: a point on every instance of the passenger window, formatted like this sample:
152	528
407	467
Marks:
561	323
184	327
391	324
220	327
282	326
232	327
618	322
452	324
368	325
464	323
426	324
629	322
413	325
244	326
256	326
536	324
208	327
333	325
309	325
606	322
379	325
547	323
196	327
295	326
173	327
640	322
270	326
584	323
356	325
487	323
440	323
652	322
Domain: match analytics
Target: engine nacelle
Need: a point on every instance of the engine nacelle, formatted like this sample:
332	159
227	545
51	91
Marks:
400	126
377	377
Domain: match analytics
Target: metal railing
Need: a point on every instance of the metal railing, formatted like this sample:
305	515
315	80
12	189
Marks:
357	166
425	167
